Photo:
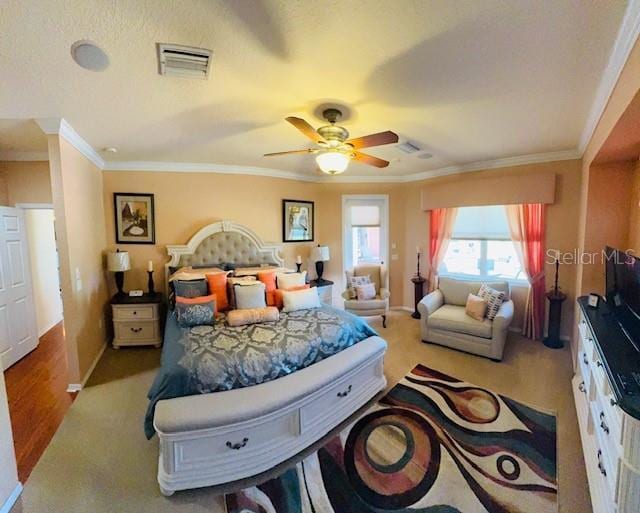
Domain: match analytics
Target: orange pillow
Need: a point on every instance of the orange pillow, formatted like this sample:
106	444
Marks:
269	280
278	294
199	300
218	286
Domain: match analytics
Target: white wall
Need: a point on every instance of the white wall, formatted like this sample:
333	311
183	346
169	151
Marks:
44	267
8	472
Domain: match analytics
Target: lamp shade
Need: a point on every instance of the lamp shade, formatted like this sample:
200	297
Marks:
320	254
118	261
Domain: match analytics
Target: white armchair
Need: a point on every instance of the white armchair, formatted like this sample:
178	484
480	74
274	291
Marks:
369	307
444	321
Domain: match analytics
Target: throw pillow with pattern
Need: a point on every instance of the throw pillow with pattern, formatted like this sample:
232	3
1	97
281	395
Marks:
355	282
494	299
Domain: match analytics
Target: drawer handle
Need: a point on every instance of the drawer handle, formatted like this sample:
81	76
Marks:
345	393
135	313
600	465
584	358
603	424
136	330
599	363
613	402
581	387
239	445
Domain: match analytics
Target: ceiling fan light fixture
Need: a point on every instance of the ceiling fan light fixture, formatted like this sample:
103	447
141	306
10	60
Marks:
333	162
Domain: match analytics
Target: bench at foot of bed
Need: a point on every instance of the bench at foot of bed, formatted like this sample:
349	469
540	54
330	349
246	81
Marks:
218	438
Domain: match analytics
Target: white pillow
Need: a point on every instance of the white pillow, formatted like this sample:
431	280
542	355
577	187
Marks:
357	281
300	299
366	291
250	296
290	280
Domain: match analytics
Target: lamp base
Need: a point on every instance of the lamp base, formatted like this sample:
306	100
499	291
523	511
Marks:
119	275
319	270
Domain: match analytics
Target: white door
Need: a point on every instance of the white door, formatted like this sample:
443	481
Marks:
365	220
17	313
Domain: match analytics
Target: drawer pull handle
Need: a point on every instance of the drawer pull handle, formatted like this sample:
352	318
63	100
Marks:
584	358
136	330
600	465
345	393
239	445
135	313
599	363
613	402
581	387
603	424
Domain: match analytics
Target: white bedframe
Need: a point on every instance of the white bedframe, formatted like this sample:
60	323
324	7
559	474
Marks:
226	437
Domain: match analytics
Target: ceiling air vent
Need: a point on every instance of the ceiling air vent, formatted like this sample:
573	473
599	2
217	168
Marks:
407	147
183	61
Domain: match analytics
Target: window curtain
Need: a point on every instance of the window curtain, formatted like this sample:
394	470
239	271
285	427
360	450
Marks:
441	223
527	228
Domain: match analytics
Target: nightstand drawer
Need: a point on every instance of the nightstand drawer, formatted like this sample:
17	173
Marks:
136	331
134	312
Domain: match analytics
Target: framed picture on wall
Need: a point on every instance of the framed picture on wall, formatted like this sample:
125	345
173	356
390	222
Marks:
298	222
135	218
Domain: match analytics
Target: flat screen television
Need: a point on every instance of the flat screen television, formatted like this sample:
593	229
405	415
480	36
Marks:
623	291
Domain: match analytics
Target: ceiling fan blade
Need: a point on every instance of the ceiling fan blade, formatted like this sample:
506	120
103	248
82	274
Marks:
378	139
369	159
308	150
305	128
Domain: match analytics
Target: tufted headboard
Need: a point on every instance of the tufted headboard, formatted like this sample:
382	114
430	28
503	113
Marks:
223	242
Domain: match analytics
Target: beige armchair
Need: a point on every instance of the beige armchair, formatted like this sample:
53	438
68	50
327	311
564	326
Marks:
444	321
369	307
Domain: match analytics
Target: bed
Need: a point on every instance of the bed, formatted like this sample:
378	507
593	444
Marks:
229	404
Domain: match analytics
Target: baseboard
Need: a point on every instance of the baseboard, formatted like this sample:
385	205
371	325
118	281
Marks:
402	308
49	328
76	387
11	500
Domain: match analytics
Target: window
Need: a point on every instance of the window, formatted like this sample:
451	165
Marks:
481	246
364	230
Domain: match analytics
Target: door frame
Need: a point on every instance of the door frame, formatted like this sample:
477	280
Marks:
384	217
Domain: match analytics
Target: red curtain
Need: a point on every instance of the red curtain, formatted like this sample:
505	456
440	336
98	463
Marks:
527	227
440	227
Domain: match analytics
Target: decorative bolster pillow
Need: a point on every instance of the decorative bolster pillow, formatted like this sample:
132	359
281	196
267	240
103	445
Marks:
252	316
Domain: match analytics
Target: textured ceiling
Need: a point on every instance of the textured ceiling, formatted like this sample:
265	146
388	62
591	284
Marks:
463	80
21	135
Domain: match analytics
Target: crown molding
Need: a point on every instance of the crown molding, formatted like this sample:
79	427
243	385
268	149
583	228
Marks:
26	156
61	127
626	38
190	167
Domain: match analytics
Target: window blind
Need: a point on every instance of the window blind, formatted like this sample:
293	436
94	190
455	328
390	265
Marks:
481	223
365	215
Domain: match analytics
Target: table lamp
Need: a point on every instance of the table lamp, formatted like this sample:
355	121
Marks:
117	263
320	255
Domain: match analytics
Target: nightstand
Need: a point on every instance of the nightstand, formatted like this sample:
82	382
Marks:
325	290
137	320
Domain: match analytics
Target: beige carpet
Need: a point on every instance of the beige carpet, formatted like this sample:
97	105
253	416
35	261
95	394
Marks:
99	460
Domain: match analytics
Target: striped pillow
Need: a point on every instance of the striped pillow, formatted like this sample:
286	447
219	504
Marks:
494	299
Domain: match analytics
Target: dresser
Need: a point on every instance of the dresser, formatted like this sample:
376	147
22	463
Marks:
606	389
137	321
325	290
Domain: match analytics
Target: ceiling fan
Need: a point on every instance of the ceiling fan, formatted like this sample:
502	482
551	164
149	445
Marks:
335	149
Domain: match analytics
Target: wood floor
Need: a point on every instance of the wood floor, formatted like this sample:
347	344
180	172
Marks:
38	400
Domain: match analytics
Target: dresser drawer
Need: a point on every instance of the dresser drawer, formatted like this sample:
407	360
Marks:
136	331
248	441
134	312
338	397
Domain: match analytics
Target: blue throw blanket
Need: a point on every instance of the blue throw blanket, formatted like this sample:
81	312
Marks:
213	358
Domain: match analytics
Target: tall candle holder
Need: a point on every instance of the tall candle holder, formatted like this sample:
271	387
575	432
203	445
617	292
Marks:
150	284
418	287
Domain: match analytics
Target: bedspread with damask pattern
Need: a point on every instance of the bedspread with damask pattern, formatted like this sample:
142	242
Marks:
207	359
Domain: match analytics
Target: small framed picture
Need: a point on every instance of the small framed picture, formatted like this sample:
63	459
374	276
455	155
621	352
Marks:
134	218
297	221
594	300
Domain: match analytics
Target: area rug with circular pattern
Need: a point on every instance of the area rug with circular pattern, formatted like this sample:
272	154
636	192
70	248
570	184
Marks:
433	444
